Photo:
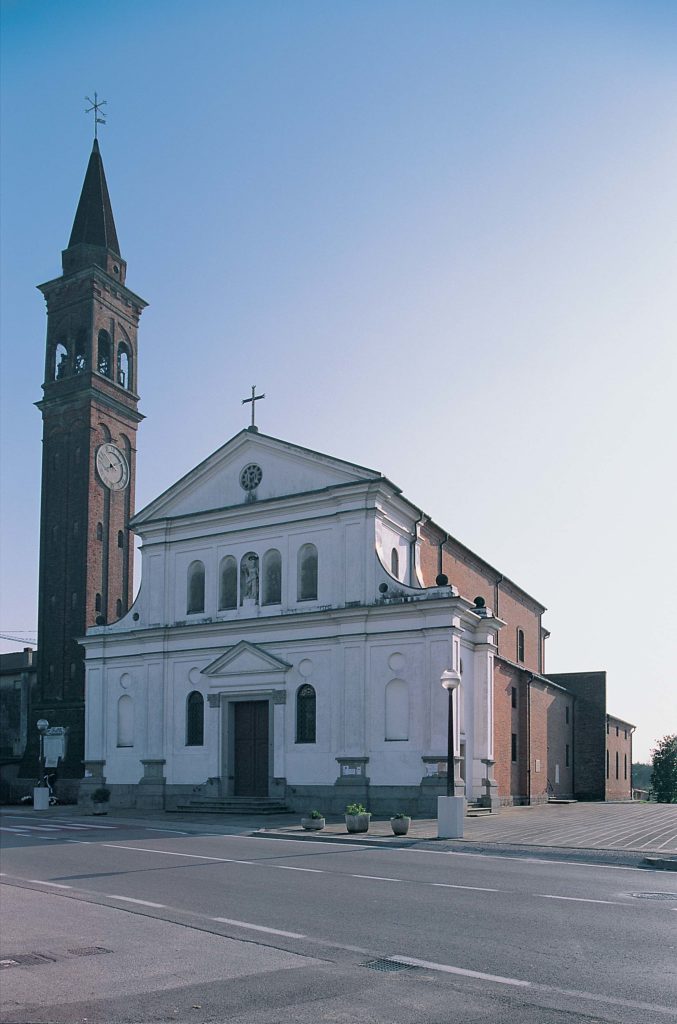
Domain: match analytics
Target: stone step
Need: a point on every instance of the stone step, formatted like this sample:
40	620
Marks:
555	800
241	805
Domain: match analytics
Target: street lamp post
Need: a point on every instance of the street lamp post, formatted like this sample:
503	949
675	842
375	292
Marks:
450	808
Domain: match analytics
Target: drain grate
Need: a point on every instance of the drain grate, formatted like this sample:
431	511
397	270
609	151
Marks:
27	960
89	951
654	895
384	964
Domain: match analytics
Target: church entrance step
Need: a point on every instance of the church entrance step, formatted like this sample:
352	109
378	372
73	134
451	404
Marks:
475	809
232	805
555	800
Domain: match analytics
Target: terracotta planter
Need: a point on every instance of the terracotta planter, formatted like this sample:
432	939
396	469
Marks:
358	822
313	824
400	826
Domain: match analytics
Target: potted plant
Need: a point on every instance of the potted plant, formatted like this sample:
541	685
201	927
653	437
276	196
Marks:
313	822
400	823
100	798
357	818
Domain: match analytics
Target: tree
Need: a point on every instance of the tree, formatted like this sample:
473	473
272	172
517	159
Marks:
664	774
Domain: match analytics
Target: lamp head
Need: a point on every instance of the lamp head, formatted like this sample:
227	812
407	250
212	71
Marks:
450	679
42	724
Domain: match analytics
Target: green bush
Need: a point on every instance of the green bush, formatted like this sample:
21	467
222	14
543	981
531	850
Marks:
356	809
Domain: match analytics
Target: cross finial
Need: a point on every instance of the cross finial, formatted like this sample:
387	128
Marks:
98	114
253	399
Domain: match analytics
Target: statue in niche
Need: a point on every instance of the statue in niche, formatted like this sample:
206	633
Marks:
62	367
250	577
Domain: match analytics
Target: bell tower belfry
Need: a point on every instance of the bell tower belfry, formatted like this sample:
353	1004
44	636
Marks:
90	417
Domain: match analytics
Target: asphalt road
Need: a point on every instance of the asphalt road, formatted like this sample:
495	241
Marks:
214	927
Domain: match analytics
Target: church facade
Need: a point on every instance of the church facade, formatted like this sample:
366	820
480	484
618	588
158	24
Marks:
283	645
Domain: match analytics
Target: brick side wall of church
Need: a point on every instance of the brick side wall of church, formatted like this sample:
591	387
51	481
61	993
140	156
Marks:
619	749
508	720
475	580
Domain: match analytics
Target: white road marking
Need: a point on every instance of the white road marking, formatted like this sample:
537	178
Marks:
289	867
258	928
448	969
44	881
86	825
82	842
16	831
580	899
378	878
129	899
171	853
475	888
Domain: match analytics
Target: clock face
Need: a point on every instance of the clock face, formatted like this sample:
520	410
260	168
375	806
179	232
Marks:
250	477
112	467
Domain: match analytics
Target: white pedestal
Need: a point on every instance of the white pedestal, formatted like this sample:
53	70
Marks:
450	815
40	798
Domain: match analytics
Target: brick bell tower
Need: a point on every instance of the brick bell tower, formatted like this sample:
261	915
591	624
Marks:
89	412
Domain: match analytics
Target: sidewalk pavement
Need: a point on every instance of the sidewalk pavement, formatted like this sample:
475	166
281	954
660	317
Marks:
604	832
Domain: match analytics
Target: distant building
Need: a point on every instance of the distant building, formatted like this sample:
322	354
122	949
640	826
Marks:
18	674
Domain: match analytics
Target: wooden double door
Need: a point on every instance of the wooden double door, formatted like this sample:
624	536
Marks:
250	753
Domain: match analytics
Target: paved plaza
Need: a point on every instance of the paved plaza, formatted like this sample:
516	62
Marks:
638	827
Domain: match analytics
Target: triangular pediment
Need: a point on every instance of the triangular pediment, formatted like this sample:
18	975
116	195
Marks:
245	659
280	470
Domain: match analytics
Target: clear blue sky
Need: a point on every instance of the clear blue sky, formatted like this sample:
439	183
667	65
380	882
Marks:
439	235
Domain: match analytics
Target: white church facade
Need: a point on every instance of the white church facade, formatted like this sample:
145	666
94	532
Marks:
283	647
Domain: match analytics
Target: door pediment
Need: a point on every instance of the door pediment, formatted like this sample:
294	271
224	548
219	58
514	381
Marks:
246	659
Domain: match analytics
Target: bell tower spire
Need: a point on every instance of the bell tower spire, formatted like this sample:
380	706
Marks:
90	417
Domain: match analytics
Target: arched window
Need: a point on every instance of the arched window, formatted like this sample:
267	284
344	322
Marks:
118	608
227	583
249	577
125	721
97	603
124	376
305	714
121	539
195	719
397	710
104	361
272	577
395	563
520	645
61	367
99	531
307	573
195	601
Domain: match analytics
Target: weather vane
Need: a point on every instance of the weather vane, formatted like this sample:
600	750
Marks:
99	118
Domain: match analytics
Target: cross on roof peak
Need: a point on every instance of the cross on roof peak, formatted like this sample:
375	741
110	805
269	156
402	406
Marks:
254	398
